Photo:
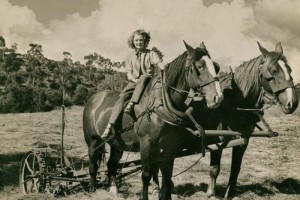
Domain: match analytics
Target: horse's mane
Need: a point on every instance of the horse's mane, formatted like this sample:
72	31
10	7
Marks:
247	76
174	71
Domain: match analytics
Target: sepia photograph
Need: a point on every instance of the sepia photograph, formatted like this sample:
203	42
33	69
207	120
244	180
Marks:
149	99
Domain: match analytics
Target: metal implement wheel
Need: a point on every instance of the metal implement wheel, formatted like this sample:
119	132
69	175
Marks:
31	174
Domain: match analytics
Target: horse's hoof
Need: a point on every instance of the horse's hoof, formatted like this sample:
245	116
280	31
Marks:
113	190
210	195
163	198
155	189
92	190
230	192
142	198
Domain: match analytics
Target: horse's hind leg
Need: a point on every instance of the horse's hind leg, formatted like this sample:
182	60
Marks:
215	161
95	155
114	158
237	157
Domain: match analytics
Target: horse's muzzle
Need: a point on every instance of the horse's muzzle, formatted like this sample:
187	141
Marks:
217	100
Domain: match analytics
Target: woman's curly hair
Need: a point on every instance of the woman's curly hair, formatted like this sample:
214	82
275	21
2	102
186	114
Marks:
145	34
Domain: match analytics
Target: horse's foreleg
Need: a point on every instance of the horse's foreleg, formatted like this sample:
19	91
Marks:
114	158
215	161
166	168
155	171
236	162
145	150
94	156
156	186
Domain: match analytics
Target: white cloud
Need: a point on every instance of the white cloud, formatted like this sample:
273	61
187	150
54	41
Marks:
278	21
230	31
19	25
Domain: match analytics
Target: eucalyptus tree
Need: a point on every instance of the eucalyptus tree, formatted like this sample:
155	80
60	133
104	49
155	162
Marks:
38	73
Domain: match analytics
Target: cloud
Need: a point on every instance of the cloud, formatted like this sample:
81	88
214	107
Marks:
229	30
278	21
169	22
19	25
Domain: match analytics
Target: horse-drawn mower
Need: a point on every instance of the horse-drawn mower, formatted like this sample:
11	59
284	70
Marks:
44	171
47	169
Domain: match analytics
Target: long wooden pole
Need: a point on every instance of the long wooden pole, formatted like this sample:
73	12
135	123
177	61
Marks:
235	133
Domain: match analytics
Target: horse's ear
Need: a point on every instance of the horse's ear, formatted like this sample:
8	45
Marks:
217	67
189	49
202	46
278	48
230	69
264	51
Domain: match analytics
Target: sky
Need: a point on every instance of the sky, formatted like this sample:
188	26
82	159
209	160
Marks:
229	28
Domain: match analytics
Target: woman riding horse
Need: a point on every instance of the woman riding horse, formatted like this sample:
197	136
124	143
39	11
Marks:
163	102
140	66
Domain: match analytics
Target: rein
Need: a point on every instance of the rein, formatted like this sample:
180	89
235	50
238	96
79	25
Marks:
187	92
262	94
209	81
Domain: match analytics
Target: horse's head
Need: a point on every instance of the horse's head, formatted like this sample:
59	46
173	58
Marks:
276	78
202	74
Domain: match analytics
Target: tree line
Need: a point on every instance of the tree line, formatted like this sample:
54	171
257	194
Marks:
31	82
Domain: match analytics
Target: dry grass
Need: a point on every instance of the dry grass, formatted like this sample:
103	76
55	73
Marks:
270	168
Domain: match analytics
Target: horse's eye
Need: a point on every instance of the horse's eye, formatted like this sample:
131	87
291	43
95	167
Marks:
200	64
200	67
273	71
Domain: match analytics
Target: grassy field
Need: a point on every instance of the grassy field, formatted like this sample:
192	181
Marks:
270	168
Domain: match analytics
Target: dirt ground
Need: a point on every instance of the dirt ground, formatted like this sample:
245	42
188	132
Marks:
270	168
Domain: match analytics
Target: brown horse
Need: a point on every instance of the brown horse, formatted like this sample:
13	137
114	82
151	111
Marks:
261	79
194	69
256	82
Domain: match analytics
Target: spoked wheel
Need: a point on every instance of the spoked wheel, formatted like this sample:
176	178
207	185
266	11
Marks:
31	174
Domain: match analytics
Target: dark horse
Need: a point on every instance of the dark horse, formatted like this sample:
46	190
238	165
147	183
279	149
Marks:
261	79
194	69
256	82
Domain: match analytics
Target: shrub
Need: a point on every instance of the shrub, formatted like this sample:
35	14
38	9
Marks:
116	81
17	99
80	96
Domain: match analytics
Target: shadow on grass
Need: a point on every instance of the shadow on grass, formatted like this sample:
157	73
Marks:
269	188
287	186
190	189
9	169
